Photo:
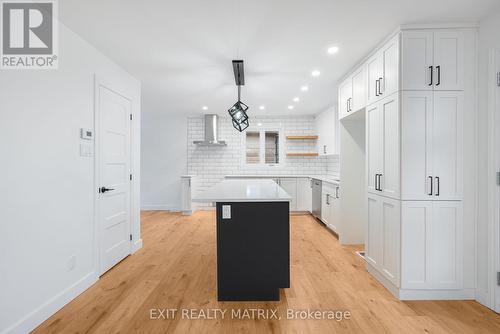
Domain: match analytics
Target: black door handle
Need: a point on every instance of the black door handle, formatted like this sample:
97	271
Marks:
376	180
432	75
438	186
102	190
439	75
376	87
432	181
380	86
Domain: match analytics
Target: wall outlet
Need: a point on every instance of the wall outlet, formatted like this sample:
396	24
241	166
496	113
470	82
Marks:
72	263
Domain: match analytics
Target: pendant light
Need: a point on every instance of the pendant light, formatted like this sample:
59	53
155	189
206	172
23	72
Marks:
238	110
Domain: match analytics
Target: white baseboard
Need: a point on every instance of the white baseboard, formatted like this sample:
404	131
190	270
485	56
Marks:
421	294
47	309
159	207
136	246
483	298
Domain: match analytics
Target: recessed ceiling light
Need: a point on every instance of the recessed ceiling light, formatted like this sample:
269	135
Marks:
304	88
291	107
259	124
333	50
315	73
296	99
204	108
262	107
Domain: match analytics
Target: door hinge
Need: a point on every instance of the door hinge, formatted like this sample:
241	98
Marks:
130	177
131	237
130	116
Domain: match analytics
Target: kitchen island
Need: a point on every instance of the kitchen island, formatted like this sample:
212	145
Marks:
253	238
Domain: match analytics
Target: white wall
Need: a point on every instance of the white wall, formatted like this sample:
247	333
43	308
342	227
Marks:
47	188
488	38
212	163
164	159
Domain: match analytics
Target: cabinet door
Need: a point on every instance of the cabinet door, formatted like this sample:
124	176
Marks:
374	233
373	145
345	94
447	146
449	60
389	127
390	75
290	186
417	59
325	207
359	89
374	68
335	212
445	245
416	219
185	195
416	145
391	220
304	195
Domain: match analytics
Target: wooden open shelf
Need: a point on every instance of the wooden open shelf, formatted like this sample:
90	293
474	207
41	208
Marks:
302	137
302	154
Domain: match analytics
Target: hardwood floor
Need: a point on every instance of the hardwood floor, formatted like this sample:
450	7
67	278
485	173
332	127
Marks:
176	270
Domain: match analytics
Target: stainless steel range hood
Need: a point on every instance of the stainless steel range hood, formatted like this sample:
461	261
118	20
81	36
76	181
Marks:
211	132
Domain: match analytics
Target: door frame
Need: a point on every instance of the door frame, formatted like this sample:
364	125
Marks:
493	188
98	82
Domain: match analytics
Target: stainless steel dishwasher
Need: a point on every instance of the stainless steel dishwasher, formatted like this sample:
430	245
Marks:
316	197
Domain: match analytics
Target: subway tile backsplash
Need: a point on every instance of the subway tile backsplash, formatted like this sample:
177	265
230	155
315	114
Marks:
211	163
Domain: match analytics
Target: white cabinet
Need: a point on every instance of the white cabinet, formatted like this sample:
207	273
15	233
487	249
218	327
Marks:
345	95
328	132
188	183
383	72
382	142
433	60
352	93
432	235
290	186
432	148
382	245
304	195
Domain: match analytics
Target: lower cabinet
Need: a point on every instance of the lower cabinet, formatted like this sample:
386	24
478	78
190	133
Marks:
304	194
383	236
330	205
187	185
290	186
432	235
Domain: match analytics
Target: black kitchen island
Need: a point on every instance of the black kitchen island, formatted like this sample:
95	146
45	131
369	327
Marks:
253	239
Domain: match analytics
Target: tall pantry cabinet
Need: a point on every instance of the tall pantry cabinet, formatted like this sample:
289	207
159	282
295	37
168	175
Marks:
418	91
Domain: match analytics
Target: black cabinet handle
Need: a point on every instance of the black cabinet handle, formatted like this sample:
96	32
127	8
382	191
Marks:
439	75
337	192
438	186
432	181
350	104
347	103
102	190
380	86
431	68
376	87
376	180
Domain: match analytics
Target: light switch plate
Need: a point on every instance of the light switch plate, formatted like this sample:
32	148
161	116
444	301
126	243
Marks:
86	134
226	212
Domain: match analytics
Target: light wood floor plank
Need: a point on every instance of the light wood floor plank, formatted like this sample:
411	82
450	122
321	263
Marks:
176	268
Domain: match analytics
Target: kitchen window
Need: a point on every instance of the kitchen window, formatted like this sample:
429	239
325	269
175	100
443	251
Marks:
262	148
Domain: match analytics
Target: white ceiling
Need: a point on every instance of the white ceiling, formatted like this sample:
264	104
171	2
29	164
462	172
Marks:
182	50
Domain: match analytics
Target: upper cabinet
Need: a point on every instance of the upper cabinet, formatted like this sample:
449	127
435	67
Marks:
352	93
433	60
383	71
328	132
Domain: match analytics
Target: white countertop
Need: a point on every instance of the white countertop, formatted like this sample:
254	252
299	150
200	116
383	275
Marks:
245	190
283	176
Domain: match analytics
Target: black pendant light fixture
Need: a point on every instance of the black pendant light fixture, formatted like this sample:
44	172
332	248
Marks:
238	110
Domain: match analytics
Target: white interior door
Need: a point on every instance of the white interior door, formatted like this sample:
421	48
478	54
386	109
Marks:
113	112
